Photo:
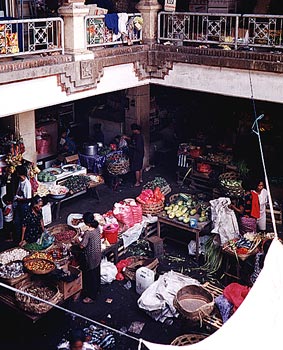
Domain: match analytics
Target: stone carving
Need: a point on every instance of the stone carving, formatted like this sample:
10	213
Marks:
86	69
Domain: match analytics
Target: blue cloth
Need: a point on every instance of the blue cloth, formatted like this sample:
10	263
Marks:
224	307
111	22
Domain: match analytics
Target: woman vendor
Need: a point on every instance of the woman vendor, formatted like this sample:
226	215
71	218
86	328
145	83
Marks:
91	243
263	199
248	211
32	226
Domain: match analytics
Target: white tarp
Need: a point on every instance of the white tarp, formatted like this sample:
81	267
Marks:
257	324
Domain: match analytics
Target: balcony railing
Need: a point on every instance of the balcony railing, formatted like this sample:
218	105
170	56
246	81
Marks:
31	36
97	33
231	30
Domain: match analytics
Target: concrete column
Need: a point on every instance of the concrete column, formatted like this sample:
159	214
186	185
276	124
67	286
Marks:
149	9
74	29
25	127
139	107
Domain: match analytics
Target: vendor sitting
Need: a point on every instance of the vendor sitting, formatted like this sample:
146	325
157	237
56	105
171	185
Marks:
77	341
66	143
32	227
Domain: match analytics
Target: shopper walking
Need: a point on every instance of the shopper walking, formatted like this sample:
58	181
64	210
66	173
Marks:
91	243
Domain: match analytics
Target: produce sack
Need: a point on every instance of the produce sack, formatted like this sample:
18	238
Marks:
108	271
123	214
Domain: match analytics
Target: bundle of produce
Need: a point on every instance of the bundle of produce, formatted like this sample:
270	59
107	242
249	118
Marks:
13	269
158	182
244	246
77	183
13	254
38	289
152	202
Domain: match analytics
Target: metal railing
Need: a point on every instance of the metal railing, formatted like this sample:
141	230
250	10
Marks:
232	30
97	33
31	36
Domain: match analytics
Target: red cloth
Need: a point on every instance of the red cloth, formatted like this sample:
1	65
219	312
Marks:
255	213
235	293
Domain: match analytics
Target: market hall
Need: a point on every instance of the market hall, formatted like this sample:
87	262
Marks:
144	215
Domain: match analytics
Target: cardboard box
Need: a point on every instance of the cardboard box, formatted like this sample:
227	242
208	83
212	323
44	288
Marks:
69	289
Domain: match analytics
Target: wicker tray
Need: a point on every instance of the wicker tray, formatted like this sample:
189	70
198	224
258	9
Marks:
29	304
61	228
137	262
231	191
188	339
194	302
252	251
152	208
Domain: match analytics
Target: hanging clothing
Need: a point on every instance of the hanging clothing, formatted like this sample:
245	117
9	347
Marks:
122	23
111	22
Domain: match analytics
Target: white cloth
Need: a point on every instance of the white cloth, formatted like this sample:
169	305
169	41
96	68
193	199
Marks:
258	321
157	299
224	220
24	189
122	22
9	217
263	199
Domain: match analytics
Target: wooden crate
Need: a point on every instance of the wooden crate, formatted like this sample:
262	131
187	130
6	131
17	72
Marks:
69	289
277	215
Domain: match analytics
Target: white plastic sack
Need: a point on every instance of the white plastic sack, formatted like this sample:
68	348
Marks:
192	245
108	271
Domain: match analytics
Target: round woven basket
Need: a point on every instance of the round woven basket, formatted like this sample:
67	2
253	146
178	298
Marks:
152	208
194	302
39	272
62	228
31	305
230	191
188	339
119	167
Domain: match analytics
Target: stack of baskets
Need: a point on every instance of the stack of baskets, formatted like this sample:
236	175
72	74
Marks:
120	166
231	190
31	305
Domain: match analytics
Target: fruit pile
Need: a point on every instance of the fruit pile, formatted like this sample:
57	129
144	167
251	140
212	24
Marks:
149	196
41	266
186	206
65	236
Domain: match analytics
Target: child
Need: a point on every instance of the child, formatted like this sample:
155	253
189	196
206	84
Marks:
8	216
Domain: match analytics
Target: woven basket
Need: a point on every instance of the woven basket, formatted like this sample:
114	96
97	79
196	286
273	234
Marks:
31	305
39	272
137	262
62	228
194	302
188	339
119	167
231	191
152	208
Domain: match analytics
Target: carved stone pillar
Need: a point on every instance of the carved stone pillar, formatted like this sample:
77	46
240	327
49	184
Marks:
149	10
74	13
138	112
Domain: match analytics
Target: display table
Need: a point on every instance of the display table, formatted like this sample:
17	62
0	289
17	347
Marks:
201	228
56	203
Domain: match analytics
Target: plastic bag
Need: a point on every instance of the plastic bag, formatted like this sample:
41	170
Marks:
108	271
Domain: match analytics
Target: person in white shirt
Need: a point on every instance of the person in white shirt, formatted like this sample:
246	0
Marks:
21	200
8	213
263	199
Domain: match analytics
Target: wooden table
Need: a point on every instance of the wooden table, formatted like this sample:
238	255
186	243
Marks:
201	228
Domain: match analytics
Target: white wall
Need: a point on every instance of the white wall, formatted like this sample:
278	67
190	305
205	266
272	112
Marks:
32	94
225	81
